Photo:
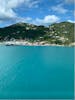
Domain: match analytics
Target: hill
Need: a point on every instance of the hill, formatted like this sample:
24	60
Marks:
57	33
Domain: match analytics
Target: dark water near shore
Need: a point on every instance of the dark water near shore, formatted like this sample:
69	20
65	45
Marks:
36	72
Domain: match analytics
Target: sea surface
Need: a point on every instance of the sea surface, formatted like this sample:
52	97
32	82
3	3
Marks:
36	72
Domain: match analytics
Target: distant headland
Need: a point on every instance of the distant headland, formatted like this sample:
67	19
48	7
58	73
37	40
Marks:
59	34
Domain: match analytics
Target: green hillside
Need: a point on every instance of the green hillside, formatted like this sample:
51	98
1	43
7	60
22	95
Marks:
58	33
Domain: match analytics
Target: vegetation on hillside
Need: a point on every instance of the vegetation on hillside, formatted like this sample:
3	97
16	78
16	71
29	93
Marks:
58	33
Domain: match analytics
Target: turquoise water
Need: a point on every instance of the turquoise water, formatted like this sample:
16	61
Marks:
36	72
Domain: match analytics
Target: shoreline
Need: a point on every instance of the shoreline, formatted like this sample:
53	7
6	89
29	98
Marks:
26	43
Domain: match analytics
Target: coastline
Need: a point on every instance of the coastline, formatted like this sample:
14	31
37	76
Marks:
26	43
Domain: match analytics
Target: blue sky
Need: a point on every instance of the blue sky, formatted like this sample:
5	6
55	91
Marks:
39	12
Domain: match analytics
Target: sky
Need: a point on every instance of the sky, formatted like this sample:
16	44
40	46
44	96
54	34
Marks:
38	12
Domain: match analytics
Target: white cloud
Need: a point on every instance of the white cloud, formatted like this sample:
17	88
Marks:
46	20
31	3
26	19
37	21
59	9
7	6
7	13
71	21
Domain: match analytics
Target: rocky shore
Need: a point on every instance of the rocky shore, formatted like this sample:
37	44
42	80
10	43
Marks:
27	43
